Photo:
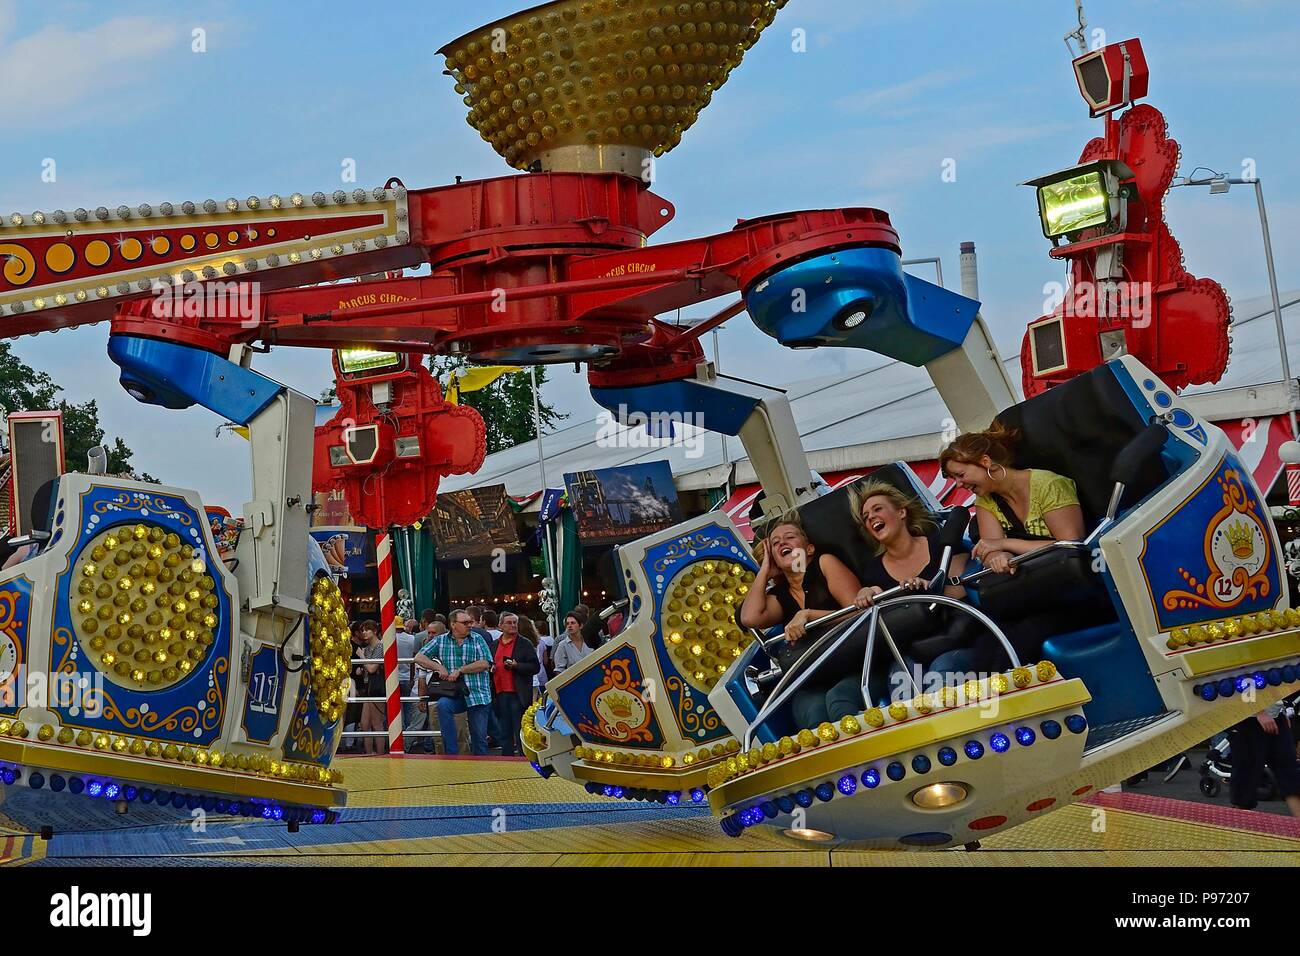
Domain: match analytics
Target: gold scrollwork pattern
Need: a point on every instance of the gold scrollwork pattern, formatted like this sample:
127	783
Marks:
690	721
19	263
186	719
683	546
301	734
1236	571
141	503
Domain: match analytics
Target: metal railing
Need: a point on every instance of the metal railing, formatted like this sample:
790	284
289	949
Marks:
413	699
792	680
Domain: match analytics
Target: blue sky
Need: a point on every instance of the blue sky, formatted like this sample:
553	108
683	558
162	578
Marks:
883	95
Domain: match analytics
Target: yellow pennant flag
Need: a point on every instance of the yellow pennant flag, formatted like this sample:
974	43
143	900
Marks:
473	379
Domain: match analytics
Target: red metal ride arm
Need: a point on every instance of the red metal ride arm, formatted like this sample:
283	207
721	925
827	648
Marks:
542	268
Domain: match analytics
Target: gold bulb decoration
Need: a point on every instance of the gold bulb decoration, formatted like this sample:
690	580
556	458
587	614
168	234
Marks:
569	82
331	646
704	642
118	598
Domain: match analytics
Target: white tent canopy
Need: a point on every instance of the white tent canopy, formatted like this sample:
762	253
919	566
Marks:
862	419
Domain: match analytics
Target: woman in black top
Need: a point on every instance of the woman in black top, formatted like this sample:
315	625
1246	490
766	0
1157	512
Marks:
794	587
906	551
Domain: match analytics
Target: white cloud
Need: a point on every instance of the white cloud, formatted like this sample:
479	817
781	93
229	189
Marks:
888	97
55	74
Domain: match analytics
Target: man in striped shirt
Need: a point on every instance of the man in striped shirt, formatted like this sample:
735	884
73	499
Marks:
451	656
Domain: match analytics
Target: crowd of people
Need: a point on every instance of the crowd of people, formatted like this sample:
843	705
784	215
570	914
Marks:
476	667
488	666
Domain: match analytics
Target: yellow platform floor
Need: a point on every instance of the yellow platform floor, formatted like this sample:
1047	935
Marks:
440	812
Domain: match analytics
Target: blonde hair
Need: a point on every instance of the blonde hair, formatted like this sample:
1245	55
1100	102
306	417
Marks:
918	522
766	528
997	441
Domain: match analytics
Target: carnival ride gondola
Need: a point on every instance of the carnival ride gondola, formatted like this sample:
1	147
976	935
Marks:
554	266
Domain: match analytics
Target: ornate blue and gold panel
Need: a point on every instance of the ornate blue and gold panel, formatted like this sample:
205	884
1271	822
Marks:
320	703
265	696
142	619
609	703
1213	554
15	614
697	581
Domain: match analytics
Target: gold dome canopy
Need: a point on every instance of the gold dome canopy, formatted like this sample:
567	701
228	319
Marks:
588	85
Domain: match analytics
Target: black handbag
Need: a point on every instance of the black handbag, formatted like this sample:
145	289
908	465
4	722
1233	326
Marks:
448	689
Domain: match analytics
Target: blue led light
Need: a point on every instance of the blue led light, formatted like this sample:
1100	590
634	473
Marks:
896	771
318	816
974	749
1241	683
535	765
8	775
786	803
804	798
223	806
1050	728
847	784
1207	691
277	812
732	826
1226	687
947	756
57	783
673	799
824	792
1025	736
1076	723
111	791
921	763
1261	680
35	781
129	793
266	813
871	778
697	795
146	795
619	793
1000	742
94	788
607	790
76	785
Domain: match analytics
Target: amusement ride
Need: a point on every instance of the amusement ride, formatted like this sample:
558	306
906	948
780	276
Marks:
181	677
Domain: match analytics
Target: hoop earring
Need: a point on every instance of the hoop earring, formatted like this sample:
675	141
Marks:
989	472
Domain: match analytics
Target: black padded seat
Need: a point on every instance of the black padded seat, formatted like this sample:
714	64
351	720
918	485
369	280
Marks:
829	519
1076	429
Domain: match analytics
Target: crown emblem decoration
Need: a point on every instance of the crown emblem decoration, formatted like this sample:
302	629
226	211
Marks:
620	705
1240	539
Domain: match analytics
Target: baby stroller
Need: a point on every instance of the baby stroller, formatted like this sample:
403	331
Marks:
1216	770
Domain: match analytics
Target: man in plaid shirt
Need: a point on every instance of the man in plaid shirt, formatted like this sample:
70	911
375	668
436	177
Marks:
451	656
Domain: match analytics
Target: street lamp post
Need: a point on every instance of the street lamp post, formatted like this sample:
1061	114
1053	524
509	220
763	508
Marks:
1219	183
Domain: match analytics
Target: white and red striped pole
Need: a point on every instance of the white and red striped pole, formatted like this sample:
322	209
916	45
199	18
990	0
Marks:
387	615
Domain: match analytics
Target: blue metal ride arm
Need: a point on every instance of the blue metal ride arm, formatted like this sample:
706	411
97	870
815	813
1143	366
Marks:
179	376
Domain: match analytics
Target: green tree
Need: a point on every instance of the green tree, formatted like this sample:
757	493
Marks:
506	405
23	389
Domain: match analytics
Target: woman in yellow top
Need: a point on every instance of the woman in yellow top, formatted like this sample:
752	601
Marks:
1018	509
